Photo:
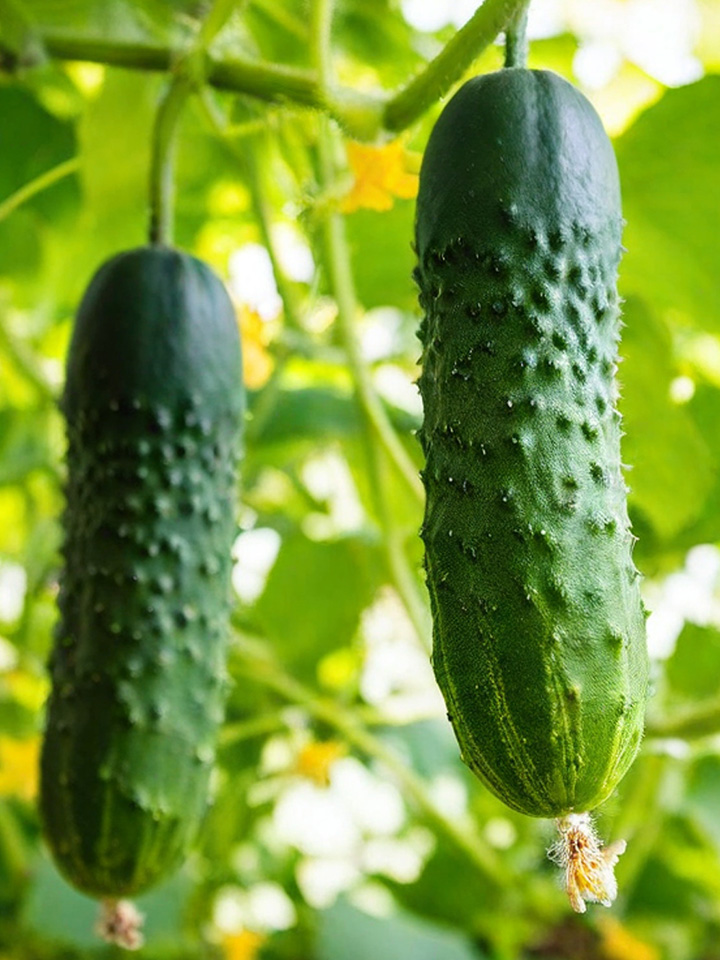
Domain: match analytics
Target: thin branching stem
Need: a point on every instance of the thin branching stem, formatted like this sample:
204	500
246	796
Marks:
363	115
40	183
450	64
462	835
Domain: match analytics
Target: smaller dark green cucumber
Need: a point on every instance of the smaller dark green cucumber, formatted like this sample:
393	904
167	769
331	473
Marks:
153	405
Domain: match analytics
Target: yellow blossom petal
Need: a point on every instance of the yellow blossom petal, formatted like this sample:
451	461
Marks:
618	943
257	361
242	946
380	175
316	759
19	767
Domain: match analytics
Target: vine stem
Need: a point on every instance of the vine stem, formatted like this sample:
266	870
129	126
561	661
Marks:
189	75
247	161
516	43
690	724
338	263
341	282
162	190
40	183
462	835
401	573
450	64
364	116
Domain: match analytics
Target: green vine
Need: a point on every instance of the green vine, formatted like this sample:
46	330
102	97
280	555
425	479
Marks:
189	76
363	116
450	64
40	183
258	666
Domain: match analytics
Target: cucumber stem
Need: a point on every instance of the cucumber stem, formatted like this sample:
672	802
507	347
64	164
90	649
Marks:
162	162
516	43
189	74
410	103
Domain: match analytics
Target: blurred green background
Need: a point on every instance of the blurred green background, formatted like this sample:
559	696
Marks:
344	825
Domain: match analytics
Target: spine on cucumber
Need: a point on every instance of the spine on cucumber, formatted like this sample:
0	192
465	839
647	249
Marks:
539	639
153	407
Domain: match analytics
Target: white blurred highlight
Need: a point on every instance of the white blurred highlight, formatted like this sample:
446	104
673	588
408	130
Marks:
255	552
13	585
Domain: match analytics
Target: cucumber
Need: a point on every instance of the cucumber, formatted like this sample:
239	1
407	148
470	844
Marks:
153	405
539	630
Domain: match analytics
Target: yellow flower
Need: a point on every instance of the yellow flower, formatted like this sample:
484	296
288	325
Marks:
19	767
316	759
242	946
619	944
381	174
257	361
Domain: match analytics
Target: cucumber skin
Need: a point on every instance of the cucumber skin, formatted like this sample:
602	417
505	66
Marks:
153	406
539	630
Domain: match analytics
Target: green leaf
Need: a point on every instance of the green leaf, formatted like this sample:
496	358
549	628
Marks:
703	789
116	19
704	408
23	447
670	172
672	469
41	143
693	671
316	414
430	746
19	43
382	257
115	141
347	932
56	911
376	34
448	890
314	596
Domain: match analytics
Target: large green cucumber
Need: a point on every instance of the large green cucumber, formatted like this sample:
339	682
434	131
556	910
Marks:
539	639
153	404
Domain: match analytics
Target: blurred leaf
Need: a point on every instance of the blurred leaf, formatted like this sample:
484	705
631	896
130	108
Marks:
448	891
45	142
672	469
115	169
554	53
703	790
279	30
317	413
382	257
314	596
377	35
348	933
123	20
59	913
693	670
670	172
23	446
19	44
704	408
430	747
21	252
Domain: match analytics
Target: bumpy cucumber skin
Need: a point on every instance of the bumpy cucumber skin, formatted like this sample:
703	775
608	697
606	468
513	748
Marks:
153	405
539	631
